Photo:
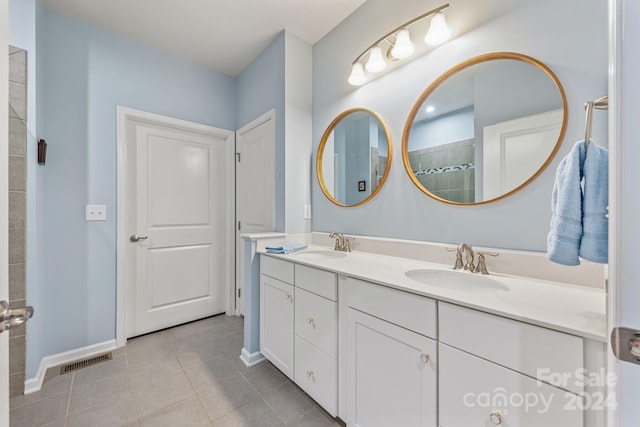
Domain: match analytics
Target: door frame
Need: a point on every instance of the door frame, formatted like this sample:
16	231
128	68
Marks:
124	116
624	229
269	116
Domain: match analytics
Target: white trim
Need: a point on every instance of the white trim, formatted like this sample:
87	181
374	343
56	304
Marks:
269	115
33	385
251	359
125	114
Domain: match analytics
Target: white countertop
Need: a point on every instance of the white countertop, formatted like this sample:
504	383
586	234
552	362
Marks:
576	310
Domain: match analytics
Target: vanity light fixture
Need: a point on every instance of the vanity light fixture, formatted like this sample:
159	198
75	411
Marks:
400	45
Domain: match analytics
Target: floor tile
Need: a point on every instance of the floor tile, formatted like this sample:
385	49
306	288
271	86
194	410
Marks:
222	395
51	385
100	394
100	371
187	413
120	414
289	403
36	414
158	396
253	414
265	377
318	418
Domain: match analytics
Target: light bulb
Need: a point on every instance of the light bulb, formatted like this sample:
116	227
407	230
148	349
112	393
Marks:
357	77
439	31
403	47
376	62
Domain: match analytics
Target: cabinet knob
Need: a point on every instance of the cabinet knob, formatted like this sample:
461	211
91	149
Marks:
425	358
290	297
309	374
496	418
311	321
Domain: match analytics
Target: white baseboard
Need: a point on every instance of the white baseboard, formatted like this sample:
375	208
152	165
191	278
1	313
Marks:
33	385
251	359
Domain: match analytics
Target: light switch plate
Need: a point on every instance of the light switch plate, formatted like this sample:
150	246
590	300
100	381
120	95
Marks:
307	211
95	213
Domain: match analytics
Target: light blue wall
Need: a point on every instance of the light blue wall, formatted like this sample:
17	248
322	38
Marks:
261	87
87	72
553	32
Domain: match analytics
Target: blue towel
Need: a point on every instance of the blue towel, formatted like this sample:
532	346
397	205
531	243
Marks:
579	204
563	240
594	245
285	248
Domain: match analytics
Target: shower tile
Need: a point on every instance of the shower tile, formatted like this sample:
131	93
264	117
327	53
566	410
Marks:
17	282
17	173
18	99
17	208
17	352
18	66
17	137
16	245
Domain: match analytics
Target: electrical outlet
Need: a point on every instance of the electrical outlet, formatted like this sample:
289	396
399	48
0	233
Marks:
307	211
95	213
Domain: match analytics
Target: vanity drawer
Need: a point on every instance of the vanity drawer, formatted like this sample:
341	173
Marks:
316	321
317	374
411	311
516	345
319	282
471	389
276	268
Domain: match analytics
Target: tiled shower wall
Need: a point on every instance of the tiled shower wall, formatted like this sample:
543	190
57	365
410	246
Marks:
17	210
447	170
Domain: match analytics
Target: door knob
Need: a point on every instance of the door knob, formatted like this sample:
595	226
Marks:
13	317
136	238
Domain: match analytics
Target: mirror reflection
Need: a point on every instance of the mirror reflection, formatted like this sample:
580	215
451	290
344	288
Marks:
485	129
354	157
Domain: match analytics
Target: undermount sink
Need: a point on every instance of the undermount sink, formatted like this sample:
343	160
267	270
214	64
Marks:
320	254
458	281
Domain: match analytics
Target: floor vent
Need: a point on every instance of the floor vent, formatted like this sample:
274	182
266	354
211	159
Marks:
79	364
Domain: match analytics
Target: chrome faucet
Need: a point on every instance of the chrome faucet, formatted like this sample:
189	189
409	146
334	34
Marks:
343	244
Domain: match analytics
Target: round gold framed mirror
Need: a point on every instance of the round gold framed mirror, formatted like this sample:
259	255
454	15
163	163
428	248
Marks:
484	129
354	157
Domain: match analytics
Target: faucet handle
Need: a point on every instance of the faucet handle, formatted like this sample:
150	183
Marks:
458	264
482	265
347	243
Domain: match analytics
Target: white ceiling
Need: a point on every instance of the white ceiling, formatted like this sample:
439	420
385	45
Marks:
224	35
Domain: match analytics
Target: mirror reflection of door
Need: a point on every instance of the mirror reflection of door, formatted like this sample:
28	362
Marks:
485	128
353	157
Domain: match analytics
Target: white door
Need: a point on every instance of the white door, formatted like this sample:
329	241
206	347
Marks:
392	374
624	203
177	222
4	208
514	150
255	187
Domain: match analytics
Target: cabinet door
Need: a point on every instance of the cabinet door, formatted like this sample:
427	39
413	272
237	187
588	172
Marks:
472	389
276	323
392	375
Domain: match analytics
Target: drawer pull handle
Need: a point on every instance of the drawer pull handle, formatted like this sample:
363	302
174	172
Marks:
309	374
425	358
290	297
496	418
311	321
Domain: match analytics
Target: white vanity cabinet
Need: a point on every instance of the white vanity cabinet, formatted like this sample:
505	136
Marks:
277	313
495	371
391	357
299	326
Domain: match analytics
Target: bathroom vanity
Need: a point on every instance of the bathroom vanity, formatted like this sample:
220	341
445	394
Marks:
381	340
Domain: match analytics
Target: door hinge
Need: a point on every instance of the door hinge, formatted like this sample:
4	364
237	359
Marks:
239	293
238	225
238	157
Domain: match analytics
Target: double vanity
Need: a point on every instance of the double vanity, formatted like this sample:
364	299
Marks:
380	340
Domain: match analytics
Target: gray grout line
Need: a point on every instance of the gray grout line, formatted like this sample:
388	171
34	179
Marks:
133	394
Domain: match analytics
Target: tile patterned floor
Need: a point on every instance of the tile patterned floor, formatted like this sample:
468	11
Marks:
187	376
